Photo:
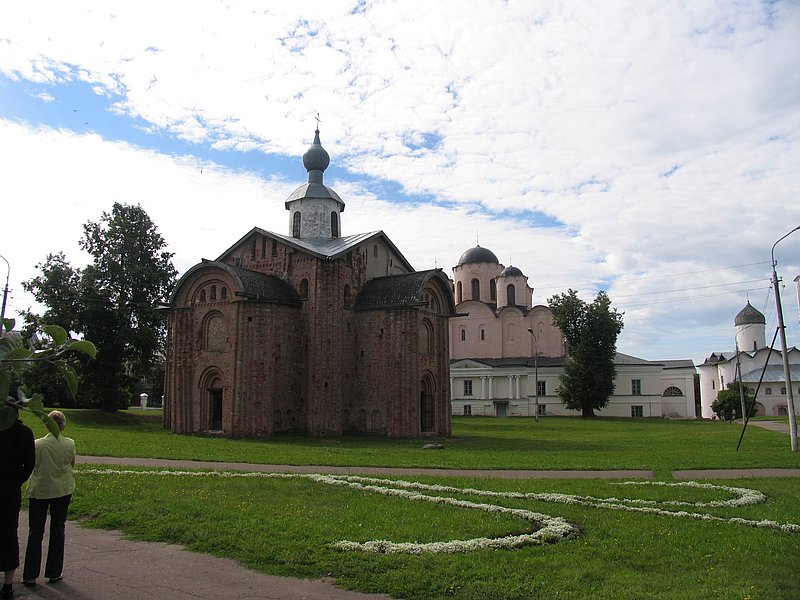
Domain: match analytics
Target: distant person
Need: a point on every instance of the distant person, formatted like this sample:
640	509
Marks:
49	488
17	450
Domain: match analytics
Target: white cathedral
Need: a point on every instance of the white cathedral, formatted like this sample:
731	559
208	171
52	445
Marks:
506	355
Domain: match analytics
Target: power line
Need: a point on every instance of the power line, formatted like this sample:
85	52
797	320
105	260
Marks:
687	298
595	283
701	287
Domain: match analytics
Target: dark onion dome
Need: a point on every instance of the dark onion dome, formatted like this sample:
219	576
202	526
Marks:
477	255
511	272
750	316
316	157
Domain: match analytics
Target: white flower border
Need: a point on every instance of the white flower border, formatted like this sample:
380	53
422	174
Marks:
546	528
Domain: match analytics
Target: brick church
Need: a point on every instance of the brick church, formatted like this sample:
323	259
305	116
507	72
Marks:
311	332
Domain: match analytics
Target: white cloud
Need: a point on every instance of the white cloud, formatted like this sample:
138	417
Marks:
662	138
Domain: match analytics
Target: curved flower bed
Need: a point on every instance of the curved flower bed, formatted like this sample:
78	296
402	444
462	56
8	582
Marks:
545	528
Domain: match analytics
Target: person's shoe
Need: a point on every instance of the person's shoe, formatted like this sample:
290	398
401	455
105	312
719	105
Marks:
29	582
56	578
8	591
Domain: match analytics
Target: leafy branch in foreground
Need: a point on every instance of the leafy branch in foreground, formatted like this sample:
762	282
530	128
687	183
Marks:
54	351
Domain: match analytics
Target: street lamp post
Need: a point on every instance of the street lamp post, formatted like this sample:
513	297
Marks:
782	329
5	296
535	375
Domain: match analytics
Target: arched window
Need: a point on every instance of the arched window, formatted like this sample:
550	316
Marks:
463	335
426	338
483	334
223	293
296	225
511	295
476	289
361	420
215	334
768	391
783	391
459	297
510	332
334	224
346	297
377	421
202	295
304	289
213	293
492	290
672	391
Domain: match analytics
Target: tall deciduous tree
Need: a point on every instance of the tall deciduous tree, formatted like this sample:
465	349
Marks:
590	332
112	301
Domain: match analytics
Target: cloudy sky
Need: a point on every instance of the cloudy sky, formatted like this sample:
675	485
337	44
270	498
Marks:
647	148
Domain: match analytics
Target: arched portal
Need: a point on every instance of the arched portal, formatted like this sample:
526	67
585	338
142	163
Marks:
215	405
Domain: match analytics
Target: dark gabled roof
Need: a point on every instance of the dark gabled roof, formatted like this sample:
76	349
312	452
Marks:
325	248
395	291
683	363
251	285
626	359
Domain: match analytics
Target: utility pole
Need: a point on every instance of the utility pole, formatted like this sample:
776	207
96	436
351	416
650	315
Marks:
782	328
5	296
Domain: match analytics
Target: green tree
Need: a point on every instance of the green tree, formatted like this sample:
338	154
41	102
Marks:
112	301
590	332
728	404
53	351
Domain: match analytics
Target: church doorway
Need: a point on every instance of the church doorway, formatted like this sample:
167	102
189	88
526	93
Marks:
426	412
216	409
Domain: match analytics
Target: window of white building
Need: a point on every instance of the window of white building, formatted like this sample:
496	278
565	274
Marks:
468	387
637	410
636	387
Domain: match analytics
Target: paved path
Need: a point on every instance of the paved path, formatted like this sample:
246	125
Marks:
103	565
497	474
780	427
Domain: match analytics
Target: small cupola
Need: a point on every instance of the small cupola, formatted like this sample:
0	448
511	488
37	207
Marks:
314	208
512	288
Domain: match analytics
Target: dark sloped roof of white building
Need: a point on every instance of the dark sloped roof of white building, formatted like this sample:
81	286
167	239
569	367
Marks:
560	361
773	374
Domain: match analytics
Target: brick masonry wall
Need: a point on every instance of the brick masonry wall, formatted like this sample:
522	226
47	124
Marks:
322	369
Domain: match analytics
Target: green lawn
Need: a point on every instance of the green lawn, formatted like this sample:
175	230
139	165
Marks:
477	443
290	525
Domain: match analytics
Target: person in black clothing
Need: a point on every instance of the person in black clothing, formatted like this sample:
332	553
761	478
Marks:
18	452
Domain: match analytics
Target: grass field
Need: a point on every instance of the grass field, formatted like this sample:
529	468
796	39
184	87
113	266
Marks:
290	525
477	443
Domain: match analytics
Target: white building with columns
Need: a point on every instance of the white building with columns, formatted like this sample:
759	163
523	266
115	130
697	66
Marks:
507	355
